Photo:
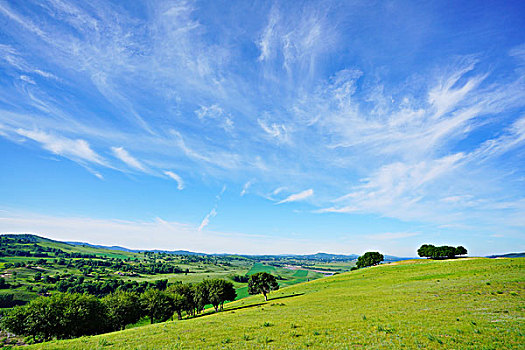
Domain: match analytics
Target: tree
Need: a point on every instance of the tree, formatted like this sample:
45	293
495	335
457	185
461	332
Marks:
187	291
201	295
179	304
157	305
60	315
122	309
426	250
82	314
15	321
262	282
220	291
369	259
461	250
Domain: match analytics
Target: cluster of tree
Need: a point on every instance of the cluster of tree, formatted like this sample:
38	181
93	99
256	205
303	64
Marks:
240	278
88	265
441	252
50	253
21	252
69	315
101	288
369	259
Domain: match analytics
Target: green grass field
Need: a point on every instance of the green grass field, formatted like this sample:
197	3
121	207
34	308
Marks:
451	304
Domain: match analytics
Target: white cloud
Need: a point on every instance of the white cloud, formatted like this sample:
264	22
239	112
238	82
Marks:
215	112
127	158
76	149
207	218
396	189
245	187
512	137
177	178
27	79
298	196
278	190
277	131
266	41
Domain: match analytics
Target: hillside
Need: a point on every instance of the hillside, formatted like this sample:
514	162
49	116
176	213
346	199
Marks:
450	304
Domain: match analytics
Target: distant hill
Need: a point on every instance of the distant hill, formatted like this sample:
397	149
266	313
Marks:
30	238
113	247
116	247
509	255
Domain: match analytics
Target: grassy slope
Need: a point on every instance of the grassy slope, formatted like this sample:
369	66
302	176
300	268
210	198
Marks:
459	304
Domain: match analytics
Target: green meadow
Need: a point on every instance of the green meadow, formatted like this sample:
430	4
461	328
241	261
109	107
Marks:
419	304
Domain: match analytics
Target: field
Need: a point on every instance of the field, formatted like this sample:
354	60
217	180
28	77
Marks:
450	304
52	263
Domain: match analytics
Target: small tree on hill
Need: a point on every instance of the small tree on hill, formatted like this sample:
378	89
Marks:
369	259
262	282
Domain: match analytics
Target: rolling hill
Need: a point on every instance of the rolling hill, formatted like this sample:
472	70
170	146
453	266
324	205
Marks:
474	303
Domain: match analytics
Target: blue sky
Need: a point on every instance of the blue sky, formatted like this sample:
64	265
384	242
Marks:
265	127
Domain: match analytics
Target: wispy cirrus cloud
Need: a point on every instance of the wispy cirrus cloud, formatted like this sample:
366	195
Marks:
76	149
297	196
177	178
127	158
207	218
216	113
246	186
304	101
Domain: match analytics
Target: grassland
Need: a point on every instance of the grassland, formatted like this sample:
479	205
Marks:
451	304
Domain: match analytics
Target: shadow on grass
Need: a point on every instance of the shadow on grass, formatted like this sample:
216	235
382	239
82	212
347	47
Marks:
286	296
207	313
264	303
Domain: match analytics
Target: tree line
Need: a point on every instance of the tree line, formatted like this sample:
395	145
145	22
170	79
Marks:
440	252
69	315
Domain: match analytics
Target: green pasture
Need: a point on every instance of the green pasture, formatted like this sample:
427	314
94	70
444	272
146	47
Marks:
419	304
259	267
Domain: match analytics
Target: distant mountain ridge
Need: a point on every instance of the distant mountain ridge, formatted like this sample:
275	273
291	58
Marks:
316	256
508	255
